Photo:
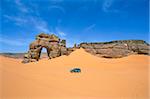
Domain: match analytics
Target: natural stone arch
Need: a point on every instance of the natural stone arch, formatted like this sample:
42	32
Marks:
47	51
54	46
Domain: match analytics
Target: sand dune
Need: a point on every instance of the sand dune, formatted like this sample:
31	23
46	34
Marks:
124	78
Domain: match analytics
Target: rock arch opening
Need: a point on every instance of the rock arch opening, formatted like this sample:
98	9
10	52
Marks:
54	46
43	53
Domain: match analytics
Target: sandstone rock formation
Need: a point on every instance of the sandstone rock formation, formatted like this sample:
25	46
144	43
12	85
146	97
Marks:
117	49
54	46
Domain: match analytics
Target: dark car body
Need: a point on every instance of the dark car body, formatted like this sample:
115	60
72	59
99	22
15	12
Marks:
75	70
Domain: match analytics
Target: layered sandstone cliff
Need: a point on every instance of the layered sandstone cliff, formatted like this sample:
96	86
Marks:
56	47
117	49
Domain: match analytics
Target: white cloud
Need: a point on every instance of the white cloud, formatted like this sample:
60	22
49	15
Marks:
62	34
39	24
42	28
21	6
90	27
12	42
107	6
17	20
27	20
34	22
57	7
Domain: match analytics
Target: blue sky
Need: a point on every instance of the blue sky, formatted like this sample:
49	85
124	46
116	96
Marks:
74	20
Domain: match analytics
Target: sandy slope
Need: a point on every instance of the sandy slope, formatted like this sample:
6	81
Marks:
124	78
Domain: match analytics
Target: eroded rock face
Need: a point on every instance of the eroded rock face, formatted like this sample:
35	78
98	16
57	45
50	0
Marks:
54	46
117	49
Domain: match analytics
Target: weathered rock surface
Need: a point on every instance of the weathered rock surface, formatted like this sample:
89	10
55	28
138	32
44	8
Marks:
117	49
54	46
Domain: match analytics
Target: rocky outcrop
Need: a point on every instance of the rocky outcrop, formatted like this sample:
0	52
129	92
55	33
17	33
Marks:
117	49
54	46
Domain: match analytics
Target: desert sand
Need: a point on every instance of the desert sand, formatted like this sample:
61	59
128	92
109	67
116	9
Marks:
122	78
